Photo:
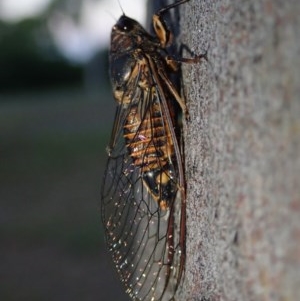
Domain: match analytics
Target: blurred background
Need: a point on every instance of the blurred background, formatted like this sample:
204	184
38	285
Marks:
56	113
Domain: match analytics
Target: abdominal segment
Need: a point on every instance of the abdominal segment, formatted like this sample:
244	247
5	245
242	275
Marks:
150	145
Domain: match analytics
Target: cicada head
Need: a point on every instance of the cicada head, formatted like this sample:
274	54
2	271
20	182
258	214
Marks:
125	35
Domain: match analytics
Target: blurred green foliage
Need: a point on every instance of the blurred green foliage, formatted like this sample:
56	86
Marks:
29	59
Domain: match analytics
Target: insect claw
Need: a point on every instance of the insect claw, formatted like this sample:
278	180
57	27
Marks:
204	55
187	116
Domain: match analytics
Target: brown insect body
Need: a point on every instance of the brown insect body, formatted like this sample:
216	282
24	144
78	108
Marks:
151	150
143	194
146	130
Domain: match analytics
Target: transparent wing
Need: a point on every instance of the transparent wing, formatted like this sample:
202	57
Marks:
143	238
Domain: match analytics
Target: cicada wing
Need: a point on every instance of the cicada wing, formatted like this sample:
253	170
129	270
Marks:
137	229
143	237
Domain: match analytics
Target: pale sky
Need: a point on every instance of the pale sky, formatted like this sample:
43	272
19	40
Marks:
18	9
78	42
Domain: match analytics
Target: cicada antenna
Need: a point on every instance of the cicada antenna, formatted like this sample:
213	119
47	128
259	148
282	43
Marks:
121	7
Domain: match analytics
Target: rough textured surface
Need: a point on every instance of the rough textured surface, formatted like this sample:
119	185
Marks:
242	148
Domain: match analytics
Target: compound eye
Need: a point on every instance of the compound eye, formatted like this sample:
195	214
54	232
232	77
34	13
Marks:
125	24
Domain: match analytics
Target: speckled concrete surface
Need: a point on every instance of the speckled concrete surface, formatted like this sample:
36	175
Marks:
242	150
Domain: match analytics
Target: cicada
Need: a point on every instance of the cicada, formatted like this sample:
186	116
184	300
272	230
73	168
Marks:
143	194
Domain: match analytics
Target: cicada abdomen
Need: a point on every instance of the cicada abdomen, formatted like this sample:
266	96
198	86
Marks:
143	193
151	146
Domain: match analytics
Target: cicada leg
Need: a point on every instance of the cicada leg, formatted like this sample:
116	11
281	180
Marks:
164	35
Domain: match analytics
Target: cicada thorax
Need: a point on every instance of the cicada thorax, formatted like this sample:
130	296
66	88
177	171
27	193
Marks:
151	147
